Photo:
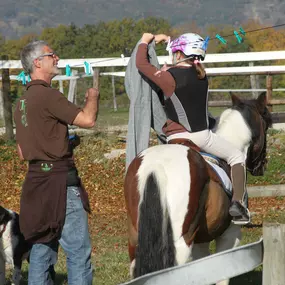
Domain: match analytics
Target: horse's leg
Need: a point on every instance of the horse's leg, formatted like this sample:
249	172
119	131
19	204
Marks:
229	239
133	240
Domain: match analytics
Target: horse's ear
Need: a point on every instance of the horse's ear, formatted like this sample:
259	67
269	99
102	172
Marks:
235	99
262	101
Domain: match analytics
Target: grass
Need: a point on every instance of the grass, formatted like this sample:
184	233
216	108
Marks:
111	256
103	180
110	118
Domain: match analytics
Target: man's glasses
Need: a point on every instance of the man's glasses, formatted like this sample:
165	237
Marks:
52	54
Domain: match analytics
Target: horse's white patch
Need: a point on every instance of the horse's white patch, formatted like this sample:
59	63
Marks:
234	129
170	166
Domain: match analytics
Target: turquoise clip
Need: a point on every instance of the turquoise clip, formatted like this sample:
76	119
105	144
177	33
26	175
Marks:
239	38
221	39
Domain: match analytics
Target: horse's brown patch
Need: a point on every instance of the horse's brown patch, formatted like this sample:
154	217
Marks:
133	239
199	179
132	201
215	219
131	190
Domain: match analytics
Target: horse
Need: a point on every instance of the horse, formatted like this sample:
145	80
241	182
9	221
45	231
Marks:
175	200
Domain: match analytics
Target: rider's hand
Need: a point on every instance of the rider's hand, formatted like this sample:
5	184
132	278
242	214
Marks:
147	38
161	37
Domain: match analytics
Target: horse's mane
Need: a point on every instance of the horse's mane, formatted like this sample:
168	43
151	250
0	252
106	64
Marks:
247	108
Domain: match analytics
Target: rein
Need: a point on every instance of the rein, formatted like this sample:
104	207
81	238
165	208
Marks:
262	122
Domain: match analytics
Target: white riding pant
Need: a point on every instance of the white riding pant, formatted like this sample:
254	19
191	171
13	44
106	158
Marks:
211	143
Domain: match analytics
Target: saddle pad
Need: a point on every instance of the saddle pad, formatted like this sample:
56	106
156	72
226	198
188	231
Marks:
227	184
209	157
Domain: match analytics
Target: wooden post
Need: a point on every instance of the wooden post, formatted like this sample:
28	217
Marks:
7	102
269	91
96	84
254	82
114	92
274	254
96	74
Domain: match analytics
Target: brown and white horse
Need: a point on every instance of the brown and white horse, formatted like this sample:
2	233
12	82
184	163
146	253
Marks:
174	199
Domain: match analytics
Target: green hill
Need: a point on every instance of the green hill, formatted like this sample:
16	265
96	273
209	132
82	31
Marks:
21	17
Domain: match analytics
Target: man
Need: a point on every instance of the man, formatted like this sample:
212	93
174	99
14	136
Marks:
53	202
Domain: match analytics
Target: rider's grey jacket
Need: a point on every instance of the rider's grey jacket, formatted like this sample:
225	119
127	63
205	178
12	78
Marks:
143	100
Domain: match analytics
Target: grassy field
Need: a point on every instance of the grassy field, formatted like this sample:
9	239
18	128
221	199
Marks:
103	180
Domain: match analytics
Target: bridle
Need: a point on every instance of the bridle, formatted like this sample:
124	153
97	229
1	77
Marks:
263	127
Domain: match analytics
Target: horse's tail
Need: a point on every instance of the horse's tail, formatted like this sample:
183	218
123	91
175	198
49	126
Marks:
155	250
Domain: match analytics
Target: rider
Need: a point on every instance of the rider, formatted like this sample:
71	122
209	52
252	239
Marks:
185	88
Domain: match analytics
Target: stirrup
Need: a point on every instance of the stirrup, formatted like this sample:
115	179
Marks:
241	221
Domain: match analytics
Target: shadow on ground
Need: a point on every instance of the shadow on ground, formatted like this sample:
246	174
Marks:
252	278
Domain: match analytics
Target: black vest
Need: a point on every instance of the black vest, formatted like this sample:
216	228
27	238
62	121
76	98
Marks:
188	105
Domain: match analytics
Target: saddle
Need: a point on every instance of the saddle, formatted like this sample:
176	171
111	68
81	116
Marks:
209	158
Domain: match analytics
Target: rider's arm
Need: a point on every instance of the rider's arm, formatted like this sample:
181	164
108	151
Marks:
162	79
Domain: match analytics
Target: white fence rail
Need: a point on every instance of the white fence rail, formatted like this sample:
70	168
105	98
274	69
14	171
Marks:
115	61
215	71
208	270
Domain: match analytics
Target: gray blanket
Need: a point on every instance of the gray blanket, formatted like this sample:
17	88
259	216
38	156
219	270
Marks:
146	110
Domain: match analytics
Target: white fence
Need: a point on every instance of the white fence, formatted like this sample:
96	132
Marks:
269	251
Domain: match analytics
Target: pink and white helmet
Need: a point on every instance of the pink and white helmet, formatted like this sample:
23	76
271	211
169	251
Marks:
190	44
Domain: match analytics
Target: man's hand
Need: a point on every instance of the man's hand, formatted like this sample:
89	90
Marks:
92	93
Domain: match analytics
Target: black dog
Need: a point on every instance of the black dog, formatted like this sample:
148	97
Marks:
13	247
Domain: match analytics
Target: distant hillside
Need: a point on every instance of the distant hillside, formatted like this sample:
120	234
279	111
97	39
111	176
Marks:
21	17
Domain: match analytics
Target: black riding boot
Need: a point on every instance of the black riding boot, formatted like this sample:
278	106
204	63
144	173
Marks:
238	210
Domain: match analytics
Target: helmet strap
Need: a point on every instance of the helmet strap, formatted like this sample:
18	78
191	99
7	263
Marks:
184	59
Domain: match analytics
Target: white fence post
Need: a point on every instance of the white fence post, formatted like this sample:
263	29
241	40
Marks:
274	254
61	86
114	92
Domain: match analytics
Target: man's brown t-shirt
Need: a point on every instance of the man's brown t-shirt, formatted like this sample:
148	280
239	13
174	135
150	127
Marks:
41	116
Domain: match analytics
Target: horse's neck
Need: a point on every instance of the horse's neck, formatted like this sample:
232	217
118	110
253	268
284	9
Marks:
234	129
